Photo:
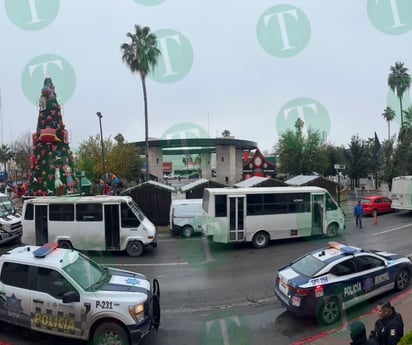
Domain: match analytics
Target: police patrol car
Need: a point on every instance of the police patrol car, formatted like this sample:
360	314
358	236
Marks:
326	281
63	292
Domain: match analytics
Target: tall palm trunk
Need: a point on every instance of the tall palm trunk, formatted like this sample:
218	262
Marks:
146	125
400	102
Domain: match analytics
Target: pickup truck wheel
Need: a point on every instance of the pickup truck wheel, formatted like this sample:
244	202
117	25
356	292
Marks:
134	248
187	231
110	333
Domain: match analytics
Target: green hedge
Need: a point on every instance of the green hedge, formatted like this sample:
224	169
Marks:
406	339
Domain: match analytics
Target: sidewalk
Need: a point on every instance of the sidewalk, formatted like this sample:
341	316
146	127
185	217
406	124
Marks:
340	335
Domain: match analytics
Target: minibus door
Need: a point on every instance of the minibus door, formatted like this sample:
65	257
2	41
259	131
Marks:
40	224
318	213
236	218
112	227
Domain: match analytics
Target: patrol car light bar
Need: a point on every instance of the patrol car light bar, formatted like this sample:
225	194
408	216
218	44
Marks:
44	250
343	247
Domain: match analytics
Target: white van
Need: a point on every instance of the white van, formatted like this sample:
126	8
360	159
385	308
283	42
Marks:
10	221
185	217
102	222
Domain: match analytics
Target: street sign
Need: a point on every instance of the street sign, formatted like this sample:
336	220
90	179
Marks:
339	166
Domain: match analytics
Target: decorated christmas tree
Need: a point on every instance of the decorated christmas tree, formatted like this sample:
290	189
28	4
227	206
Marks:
51	159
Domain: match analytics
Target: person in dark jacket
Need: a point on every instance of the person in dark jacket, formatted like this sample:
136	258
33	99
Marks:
358	213
389	325
358	334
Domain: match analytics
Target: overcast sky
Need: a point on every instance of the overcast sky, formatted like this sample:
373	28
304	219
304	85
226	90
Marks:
251	67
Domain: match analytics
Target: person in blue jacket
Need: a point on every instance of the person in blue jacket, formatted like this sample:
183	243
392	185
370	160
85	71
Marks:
358	213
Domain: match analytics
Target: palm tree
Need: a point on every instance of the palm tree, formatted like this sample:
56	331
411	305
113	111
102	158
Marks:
399	81
389	114
405	133
141	56
6	155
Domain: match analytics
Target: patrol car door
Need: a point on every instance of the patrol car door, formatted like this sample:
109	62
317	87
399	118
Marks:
48	312
344	282
14	292
374	275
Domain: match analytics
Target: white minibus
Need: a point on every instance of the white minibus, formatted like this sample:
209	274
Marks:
261	214
185	217
401	193
102	222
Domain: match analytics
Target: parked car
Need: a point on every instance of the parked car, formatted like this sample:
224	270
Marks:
376	204
327	281
186	217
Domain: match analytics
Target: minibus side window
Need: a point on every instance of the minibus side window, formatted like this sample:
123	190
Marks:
220	206
89	212
28	215
61	212
128	219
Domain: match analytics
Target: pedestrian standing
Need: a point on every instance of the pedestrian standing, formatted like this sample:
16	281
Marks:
358	334
389	325
358	213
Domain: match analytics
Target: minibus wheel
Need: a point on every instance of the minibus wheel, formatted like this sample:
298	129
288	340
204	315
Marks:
134	248
332	230
260	240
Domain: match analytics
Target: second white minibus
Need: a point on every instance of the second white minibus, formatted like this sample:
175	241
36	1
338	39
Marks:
261	214
102	222
401	193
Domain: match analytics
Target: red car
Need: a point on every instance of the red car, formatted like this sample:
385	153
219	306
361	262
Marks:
376	204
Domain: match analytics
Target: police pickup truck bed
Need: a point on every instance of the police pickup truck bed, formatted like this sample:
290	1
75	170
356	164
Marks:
63	292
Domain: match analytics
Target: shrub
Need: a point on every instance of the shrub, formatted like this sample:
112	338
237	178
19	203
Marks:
406	339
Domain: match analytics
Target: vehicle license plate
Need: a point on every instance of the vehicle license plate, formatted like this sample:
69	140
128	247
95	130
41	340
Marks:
296	301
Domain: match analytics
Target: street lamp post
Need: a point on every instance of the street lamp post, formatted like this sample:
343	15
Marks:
338	168
99	115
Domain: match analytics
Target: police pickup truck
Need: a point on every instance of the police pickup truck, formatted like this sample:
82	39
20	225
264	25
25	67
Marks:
62	292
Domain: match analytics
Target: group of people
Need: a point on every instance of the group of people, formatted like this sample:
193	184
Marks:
388	329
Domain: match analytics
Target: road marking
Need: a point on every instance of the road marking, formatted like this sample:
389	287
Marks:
154	264
392	229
